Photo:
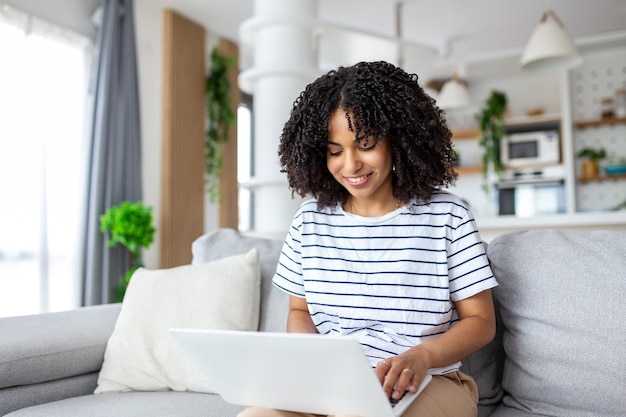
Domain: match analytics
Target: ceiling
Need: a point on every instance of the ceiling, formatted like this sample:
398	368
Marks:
468	36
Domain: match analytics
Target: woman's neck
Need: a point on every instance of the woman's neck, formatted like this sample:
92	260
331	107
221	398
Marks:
368	208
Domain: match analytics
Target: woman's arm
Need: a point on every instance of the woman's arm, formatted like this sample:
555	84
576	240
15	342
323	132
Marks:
299	319
476	328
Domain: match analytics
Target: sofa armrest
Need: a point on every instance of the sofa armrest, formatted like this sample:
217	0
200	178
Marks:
53	346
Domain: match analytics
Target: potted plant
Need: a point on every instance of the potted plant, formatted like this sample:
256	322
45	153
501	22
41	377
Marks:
130	225
492	129
590	163
220	116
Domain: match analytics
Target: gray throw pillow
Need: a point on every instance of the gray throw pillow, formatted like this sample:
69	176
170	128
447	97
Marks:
561	295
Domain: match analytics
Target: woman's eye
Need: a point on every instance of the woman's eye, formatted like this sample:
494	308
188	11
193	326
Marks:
367	146
334	152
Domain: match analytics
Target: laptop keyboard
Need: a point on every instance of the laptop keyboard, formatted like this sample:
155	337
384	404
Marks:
394	401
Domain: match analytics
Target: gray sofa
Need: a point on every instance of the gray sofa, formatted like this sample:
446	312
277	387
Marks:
559	349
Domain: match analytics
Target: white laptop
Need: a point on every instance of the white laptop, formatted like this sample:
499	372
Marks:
291	371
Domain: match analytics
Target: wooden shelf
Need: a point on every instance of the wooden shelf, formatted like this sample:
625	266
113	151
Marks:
470	169
515	124
599	122
551	118
466	134
602	178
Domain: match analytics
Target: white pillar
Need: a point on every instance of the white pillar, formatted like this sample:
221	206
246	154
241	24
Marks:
281	33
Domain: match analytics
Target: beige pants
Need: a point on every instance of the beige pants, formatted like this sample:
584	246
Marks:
451	395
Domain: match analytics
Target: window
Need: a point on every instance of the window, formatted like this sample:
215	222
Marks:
43	85
245	168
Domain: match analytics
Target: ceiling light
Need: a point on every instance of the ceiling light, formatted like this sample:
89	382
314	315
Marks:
550	47
454	95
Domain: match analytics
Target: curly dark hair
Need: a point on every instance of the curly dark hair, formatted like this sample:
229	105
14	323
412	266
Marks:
380	100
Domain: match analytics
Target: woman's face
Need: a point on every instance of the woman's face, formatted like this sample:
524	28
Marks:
364	168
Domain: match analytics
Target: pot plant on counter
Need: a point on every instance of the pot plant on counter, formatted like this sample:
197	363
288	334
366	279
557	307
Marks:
130	225
590	157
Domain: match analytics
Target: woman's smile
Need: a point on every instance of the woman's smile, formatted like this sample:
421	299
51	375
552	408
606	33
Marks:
355	181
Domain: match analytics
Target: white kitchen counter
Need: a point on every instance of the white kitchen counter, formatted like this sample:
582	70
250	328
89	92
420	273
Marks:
490	227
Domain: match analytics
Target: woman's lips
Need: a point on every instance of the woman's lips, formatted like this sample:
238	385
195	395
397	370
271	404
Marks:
357	181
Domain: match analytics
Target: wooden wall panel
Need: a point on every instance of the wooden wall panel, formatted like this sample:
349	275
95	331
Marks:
182	183
229	187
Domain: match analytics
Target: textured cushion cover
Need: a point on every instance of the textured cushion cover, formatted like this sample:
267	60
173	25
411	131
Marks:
22	396
54	346
485	366
227	242
562	298
142	355
135	404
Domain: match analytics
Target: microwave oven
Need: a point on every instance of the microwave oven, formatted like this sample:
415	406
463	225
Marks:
530	148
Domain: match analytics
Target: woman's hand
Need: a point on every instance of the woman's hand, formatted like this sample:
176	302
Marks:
401	373
474	330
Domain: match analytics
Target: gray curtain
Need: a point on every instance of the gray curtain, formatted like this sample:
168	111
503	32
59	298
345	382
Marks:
114	152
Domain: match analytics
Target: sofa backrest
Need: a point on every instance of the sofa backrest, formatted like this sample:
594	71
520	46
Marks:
225	242
561	301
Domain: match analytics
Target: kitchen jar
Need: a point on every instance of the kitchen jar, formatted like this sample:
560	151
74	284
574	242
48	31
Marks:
606	107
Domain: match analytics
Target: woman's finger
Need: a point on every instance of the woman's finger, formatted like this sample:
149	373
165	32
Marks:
381	370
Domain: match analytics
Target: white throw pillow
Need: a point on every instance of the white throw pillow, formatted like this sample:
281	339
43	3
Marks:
142	356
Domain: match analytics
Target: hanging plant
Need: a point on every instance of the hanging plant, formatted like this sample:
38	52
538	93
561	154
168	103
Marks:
492	129
130	225
220	116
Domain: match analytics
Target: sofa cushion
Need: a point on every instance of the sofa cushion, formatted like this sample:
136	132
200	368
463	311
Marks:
135	404
227	242
54	346
142	355
24	396
560	294
485	366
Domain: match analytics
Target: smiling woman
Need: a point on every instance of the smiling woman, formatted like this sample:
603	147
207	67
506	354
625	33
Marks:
43	83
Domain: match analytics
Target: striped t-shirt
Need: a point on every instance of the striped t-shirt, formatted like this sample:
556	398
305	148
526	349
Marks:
390	281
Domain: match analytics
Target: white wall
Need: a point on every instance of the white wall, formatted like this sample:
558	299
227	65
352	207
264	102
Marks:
149	39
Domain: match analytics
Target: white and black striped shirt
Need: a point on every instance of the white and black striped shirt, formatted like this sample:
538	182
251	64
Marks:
390	281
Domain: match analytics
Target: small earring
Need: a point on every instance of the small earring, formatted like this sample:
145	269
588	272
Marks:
393	167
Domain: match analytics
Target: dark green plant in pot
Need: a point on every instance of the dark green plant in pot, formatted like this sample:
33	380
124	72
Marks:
591	156
592	153
492	129
220	116
130	225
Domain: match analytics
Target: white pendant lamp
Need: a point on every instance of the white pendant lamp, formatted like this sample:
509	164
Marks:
454	95
550	47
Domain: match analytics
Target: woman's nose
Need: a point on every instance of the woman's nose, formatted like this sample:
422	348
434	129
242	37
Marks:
352	162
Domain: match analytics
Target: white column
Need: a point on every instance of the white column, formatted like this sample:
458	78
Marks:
281	34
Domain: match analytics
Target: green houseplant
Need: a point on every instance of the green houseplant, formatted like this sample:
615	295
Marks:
492	129
130	225
220	116
590	164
